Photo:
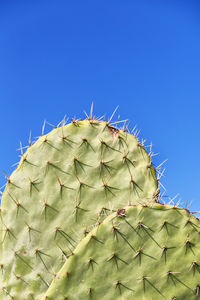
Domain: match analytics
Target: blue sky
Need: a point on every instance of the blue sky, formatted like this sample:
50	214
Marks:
56	57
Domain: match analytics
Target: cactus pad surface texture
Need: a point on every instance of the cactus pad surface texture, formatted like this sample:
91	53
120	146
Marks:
140	252
66	183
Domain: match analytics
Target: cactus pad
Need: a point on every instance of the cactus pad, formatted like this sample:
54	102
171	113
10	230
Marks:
139	252
65	182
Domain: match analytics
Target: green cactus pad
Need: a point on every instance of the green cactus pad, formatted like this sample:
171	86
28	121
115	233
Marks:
65	183
143	253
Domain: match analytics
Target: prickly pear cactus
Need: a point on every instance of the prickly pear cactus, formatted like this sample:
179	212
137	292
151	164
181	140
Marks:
66	182
137	253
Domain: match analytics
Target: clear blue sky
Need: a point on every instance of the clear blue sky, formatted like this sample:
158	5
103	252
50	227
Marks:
56	57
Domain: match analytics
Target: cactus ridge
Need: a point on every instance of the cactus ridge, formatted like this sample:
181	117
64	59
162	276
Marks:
67	182
138	252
